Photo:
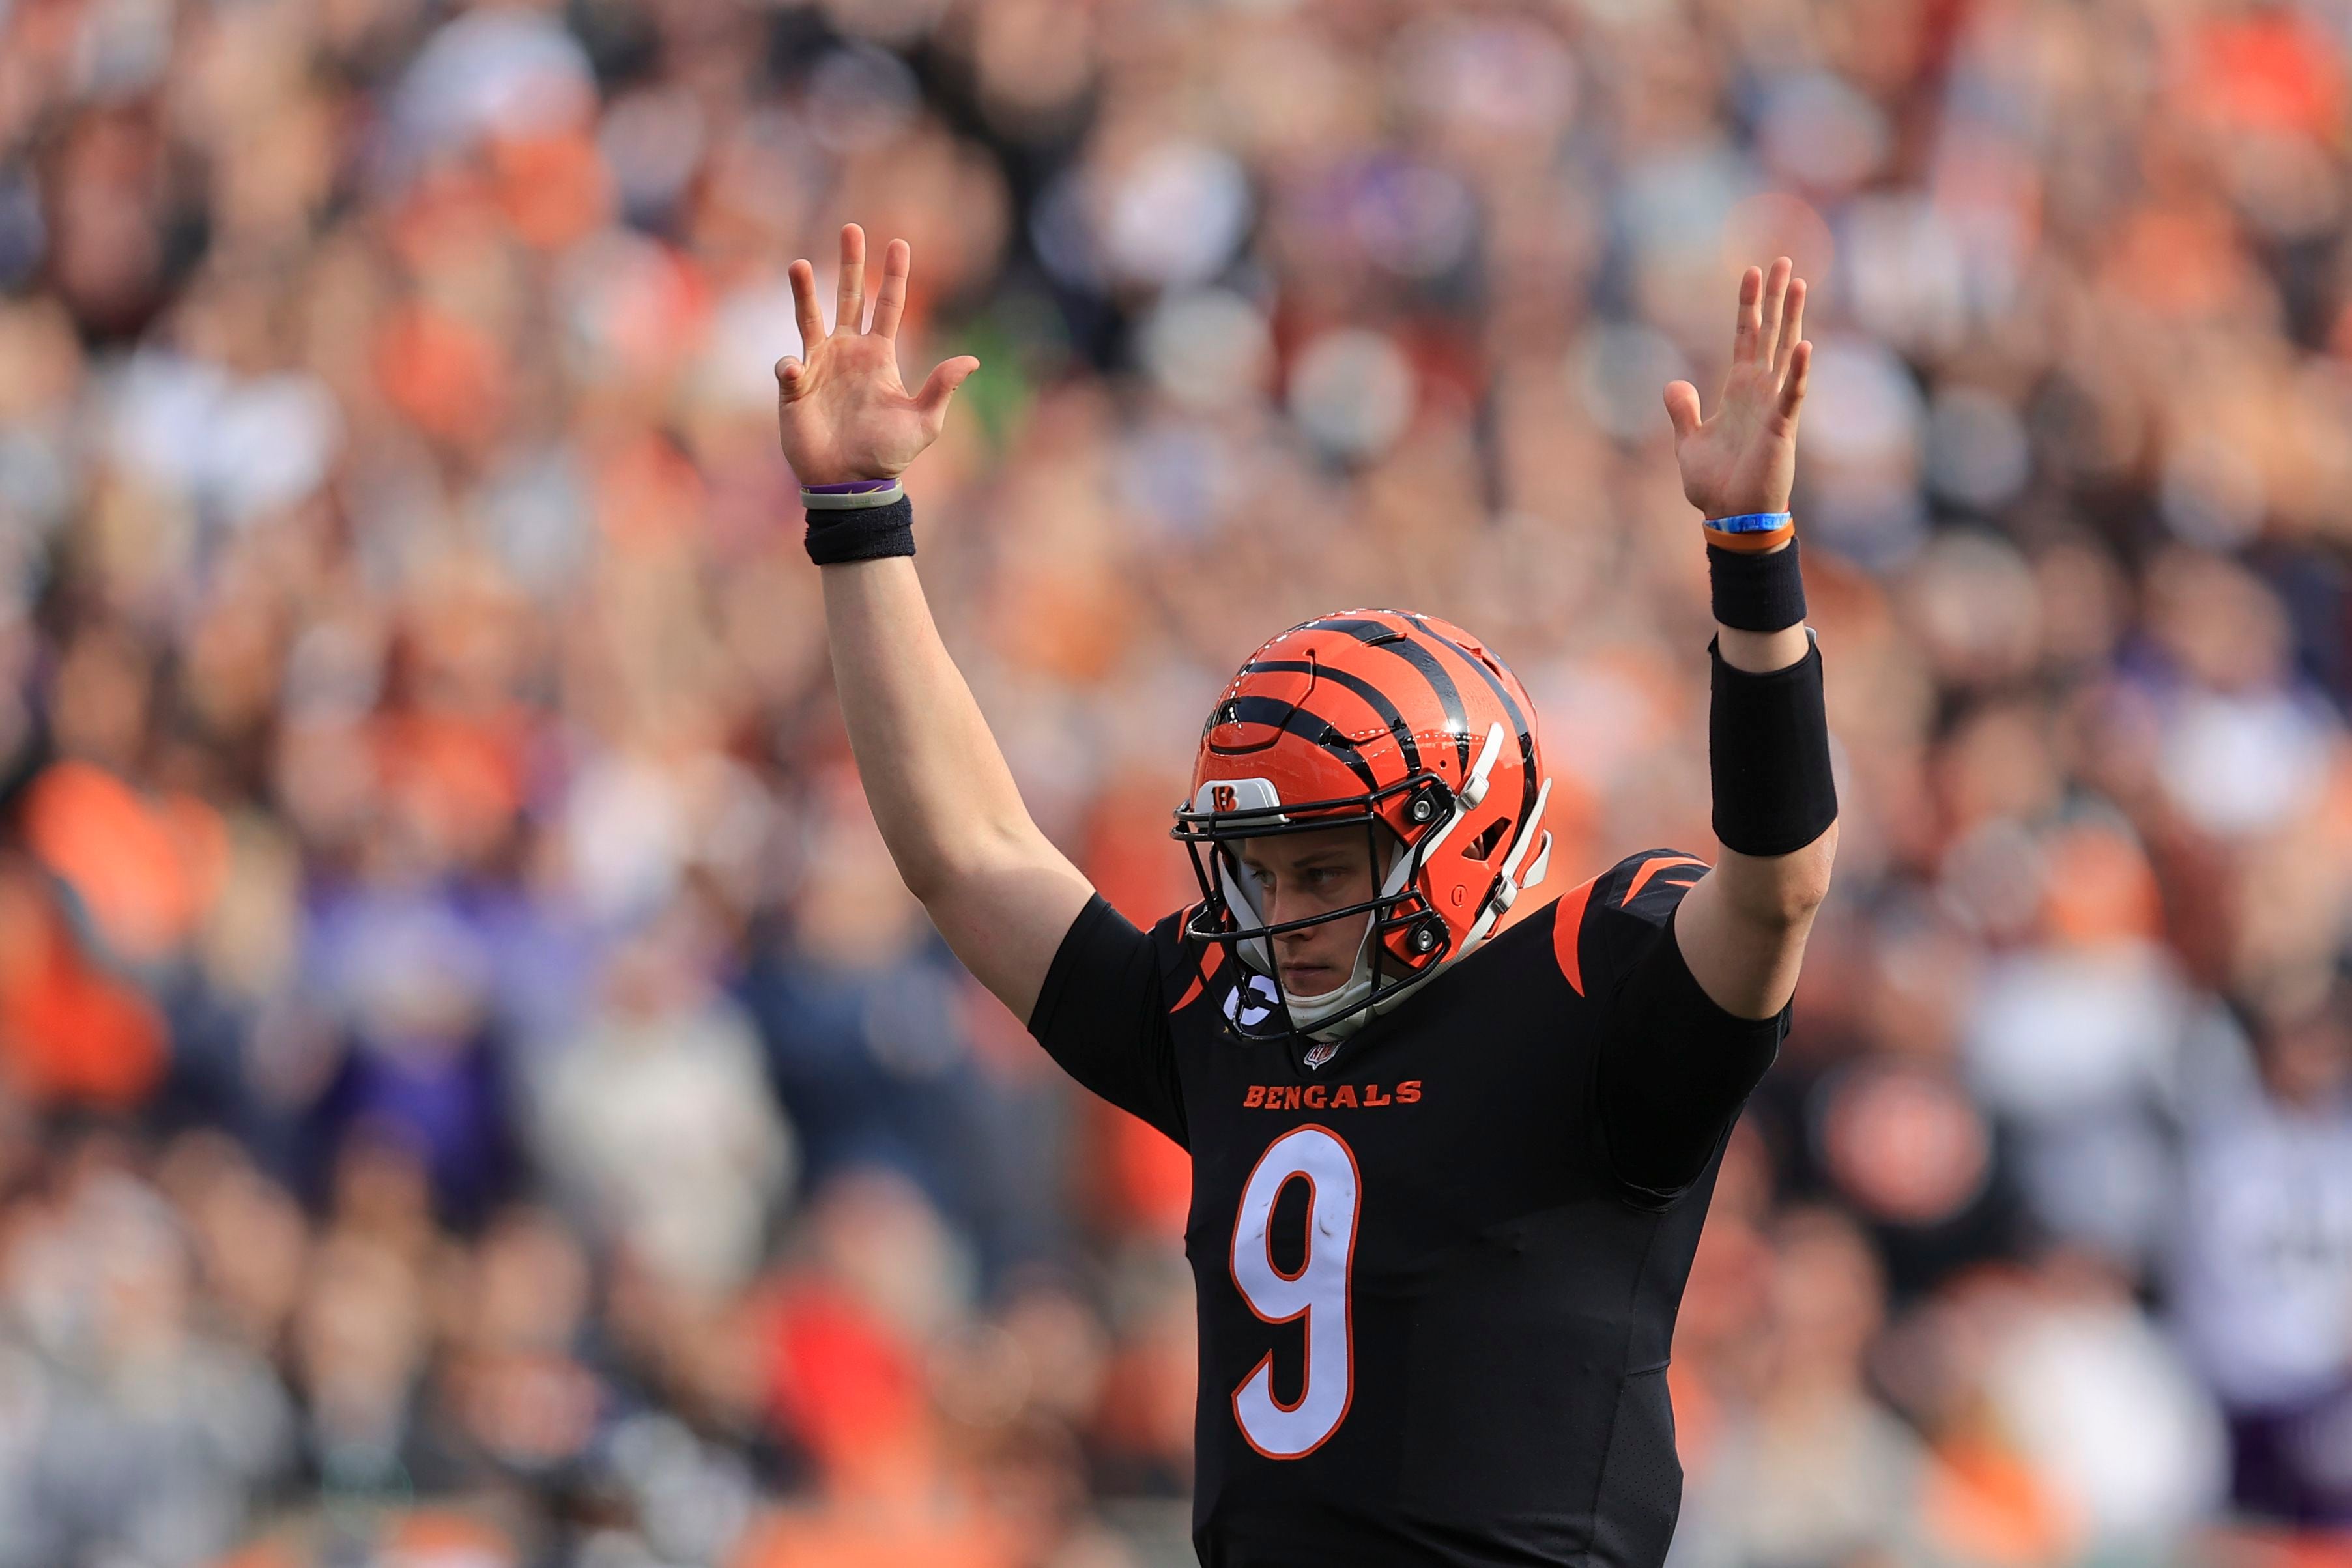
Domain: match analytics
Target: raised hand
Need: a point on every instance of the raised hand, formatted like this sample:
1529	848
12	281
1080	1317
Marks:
841	410
1744	458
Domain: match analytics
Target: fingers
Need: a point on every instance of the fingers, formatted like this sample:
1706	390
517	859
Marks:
791	376
849	309
1775	293
1792	328
806	315
1743	331
1681	408
940	386
898	261
1792	390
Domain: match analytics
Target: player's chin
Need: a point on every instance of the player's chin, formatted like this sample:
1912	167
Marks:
1309	979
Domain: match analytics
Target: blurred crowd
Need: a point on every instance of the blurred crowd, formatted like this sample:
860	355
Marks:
472	1091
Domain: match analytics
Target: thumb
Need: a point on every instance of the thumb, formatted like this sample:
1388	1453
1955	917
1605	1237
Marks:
941	385
1681	408
792	376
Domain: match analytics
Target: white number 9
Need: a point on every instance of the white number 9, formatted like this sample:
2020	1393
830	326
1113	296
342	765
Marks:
1318	1292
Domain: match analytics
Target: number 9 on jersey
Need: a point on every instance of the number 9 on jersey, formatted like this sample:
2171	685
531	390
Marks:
1318	1292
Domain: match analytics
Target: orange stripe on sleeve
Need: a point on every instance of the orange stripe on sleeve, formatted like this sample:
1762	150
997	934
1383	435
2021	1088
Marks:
1650	868
1568	921
1210	963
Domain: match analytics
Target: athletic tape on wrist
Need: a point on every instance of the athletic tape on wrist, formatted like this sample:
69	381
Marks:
1768	742
1757	593
838	536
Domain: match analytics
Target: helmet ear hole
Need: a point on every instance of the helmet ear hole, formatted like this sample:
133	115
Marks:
1482	846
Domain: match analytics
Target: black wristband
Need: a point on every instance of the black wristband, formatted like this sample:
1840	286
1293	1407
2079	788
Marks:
1768	744
866	534
1757	593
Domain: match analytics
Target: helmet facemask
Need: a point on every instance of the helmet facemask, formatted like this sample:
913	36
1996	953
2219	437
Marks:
1404	943
1395	916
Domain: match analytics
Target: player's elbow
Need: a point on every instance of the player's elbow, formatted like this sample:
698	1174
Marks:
1786	891
941	869
1801	891
928	876
1795	908
936	873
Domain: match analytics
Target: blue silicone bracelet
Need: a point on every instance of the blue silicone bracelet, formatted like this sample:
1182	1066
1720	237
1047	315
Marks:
1750	522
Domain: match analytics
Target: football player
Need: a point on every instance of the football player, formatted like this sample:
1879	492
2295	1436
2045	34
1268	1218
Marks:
1447	1172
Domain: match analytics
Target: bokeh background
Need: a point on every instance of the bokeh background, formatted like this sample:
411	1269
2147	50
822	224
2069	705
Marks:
472	1092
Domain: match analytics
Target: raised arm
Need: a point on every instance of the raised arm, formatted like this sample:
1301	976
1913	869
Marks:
1000	892
1742	928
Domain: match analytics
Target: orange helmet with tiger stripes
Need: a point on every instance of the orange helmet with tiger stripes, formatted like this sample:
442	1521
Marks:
1395	720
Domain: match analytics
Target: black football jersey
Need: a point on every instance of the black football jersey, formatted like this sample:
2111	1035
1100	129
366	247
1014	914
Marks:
1437	1275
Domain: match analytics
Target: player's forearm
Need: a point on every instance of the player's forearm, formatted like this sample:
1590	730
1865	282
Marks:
1761	653
936	782
1743	928
1773	890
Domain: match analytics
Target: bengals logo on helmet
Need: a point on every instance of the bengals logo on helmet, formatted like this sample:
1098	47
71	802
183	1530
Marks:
1220	797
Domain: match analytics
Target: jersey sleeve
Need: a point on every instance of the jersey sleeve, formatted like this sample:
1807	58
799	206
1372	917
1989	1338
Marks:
1672	1069
1103	1015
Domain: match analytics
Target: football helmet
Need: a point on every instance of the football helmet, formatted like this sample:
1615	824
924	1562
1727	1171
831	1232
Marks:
1403	722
